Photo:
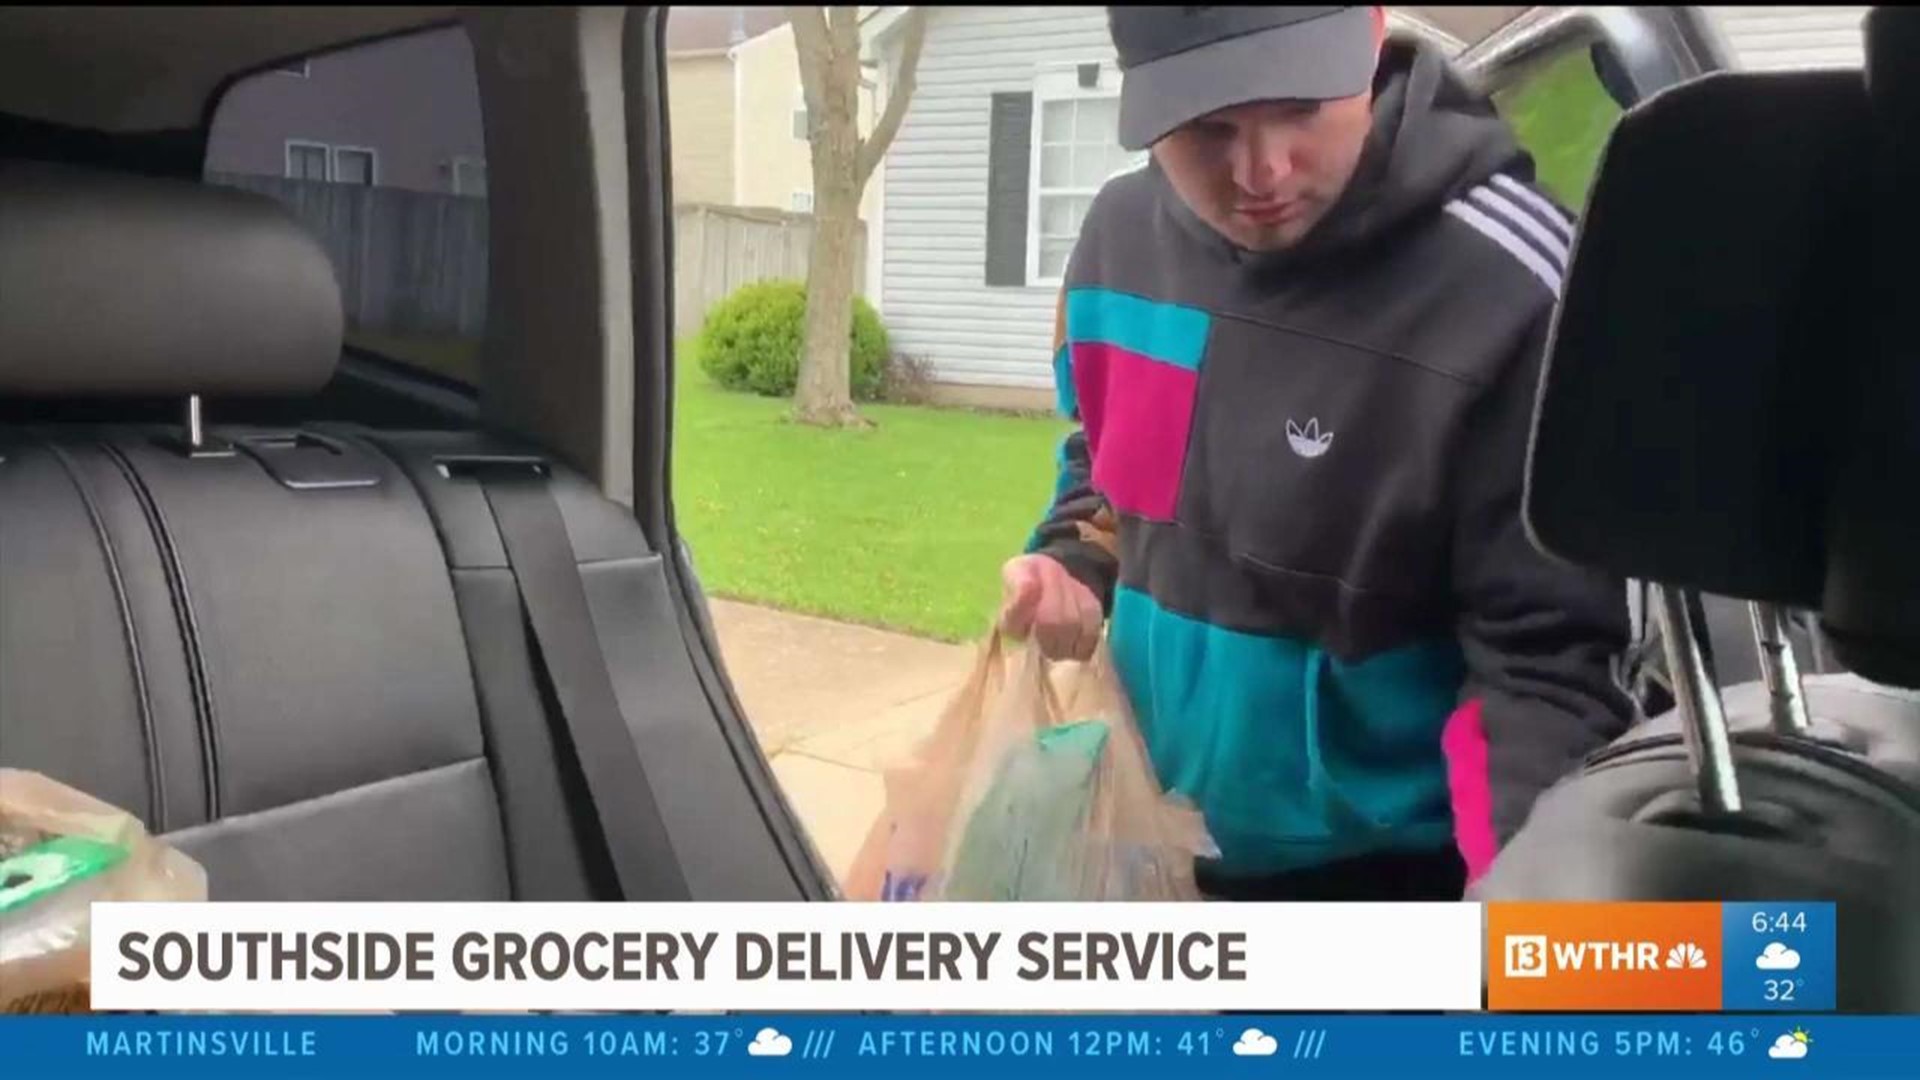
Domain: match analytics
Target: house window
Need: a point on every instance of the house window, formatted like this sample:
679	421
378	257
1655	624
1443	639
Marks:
339	164
803	202
355	165
800	121
306	160
470	176
1076	150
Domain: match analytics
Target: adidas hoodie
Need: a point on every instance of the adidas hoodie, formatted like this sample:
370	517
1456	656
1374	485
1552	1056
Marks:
1296	486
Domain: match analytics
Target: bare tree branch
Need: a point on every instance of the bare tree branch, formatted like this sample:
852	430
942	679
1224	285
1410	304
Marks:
899	95
844	19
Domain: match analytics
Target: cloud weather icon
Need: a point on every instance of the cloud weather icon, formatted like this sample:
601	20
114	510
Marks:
1790	1047
1256	1043
1777	957
770	1043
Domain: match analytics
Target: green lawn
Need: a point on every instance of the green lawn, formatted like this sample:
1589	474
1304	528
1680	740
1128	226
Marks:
1563	116
903	526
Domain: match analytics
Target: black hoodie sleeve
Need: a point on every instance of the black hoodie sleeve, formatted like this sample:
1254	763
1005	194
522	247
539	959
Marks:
1078	529
1540	636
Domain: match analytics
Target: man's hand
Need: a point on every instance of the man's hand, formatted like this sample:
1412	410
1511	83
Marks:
1046	602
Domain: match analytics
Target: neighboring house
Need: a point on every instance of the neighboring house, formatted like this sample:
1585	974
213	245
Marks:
737	110
1776	38
1010	135
399	113
701	96
971	236
773	163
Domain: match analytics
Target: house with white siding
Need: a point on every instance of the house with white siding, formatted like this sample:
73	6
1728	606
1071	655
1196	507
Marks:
1783	38
1010	134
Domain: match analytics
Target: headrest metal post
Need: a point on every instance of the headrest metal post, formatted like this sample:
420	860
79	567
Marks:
1703	720
196	433
1780	670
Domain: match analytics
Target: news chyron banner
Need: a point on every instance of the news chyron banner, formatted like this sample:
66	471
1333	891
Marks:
976	958
293	957
1010	991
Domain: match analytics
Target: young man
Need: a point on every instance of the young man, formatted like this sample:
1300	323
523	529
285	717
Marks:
1303	346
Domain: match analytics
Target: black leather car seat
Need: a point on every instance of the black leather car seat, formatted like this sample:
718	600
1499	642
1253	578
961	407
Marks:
300	652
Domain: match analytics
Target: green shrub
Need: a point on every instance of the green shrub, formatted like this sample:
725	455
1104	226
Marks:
751	341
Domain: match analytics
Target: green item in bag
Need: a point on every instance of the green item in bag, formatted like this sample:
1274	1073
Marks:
1024	840
53	865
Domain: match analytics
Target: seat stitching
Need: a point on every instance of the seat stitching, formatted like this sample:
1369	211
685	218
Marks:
347	794
130	633
189	624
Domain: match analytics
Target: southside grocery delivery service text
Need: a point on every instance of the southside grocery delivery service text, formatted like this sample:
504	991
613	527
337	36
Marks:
907	956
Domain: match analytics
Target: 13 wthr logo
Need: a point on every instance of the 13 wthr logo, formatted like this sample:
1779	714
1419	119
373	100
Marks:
1532	956
1603	956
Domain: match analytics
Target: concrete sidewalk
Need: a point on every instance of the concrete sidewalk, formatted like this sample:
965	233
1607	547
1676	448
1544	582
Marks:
832	705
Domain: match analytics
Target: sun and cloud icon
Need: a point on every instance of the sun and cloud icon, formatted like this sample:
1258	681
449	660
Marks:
1777	957
1256	1043
770	1043
1791	1047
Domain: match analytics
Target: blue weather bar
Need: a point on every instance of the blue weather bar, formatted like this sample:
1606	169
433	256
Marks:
1113	1047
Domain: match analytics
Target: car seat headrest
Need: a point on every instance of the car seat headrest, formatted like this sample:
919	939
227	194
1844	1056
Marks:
1870	607
1683	431
114	285
1732	387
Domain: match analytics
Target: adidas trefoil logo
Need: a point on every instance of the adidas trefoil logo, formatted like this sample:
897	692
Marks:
1309	441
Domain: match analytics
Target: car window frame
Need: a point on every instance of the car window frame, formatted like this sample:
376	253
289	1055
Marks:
453	397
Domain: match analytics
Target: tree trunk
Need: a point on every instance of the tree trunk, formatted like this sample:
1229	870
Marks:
824	394
827	41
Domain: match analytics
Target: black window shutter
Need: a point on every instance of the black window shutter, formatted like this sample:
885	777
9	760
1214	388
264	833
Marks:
1009	161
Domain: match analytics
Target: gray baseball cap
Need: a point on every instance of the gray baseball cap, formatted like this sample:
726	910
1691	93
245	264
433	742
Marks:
1182	63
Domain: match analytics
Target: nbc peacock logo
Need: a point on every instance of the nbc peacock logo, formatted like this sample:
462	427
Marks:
1686	956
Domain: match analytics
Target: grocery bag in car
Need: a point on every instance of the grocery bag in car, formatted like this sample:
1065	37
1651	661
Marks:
60	850
1028	791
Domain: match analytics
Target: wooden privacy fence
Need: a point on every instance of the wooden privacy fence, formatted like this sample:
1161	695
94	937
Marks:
717	249
408	262
415	262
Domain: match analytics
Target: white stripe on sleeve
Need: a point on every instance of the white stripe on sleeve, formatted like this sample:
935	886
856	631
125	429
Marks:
1548	212
1503	208
1548	274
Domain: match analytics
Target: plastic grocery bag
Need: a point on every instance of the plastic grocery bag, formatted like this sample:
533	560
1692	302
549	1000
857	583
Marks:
1028	790
61	850
904	850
